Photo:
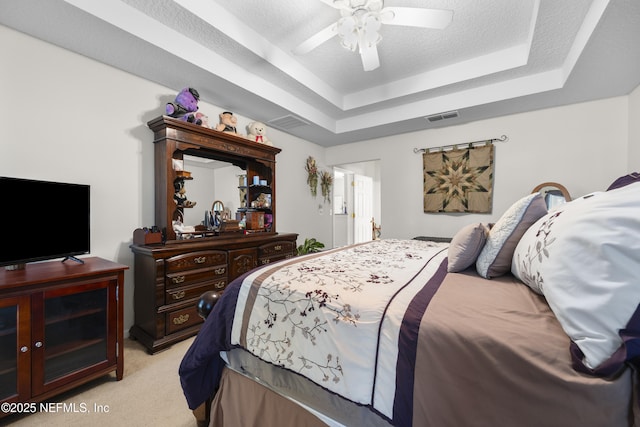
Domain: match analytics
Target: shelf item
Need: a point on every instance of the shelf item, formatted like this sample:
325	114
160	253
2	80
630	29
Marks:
146	237
61	325
255	220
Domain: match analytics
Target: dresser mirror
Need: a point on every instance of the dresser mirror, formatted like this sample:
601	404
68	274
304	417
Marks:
214	167
212	181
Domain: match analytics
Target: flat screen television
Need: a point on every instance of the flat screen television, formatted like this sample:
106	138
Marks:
43	220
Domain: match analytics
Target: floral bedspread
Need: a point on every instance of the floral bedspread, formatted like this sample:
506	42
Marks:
338	317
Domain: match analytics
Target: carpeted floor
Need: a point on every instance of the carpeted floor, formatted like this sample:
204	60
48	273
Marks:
148	395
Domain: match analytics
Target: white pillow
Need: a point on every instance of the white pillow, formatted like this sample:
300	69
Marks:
585	259
533	248
495	258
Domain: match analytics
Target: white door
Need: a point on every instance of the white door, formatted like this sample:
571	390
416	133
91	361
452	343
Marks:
362	208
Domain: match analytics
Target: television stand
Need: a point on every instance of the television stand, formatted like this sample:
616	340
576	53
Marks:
60	328
72	258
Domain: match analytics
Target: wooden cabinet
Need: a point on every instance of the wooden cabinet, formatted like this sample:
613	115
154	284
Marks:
169	280
173	139
170	277
60	326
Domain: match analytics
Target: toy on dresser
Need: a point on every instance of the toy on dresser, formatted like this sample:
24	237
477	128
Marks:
185	106
204	119
228	123
180	195
257	132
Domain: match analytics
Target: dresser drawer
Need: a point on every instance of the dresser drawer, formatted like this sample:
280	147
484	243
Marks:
194	260
184	293
241	261
269	260
184	278
277	249
182	319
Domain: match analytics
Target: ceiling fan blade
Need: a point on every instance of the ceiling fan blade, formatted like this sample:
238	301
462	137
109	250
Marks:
316	40
369	55
415	17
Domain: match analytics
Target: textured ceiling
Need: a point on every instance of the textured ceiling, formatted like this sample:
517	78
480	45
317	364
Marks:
496	57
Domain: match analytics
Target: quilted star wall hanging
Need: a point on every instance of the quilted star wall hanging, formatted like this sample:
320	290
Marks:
459	180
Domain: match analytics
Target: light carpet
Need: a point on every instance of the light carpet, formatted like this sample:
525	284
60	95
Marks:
149	394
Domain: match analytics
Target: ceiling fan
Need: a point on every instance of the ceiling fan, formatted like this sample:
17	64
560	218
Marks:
361	21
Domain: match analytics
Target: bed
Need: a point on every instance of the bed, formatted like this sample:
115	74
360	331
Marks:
531	322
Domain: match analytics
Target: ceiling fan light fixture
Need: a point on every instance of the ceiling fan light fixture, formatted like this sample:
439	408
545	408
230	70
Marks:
358	30
370	28
368	40
346	26
348	32
359	27
371	22
350	43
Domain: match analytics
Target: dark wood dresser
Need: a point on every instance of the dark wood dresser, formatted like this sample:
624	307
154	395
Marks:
169	280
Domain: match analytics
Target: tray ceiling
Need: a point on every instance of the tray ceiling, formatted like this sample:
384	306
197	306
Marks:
496	57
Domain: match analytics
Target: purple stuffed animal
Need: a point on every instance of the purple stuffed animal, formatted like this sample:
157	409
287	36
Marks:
185	105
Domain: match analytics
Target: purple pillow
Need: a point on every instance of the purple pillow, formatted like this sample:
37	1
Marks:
466	246
625	180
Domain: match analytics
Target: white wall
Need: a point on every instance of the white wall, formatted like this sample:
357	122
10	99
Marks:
634	131
582	146
297	211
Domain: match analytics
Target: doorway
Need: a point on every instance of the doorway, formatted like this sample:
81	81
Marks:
356	202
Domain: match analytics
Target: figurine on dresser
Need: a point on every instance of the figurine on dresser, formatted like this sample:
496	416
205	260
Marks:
180	195
258	133
228	123
185	106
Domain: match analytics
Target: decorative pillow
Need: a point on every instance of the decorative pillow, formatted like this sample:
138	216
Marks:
585	259
533	247
495	258
466	246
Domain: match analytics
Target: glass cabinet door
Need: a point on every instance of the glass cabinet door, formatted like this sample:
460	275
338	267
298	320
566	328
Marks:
75	332
74	335
15	366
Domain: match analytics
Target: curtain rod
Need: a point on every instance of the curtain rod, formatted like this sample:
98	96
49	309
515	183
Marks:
503	138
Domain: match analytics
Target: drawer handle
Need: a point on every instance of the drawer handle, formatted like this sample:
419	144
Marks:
183	318
200	260
278	247
219	285
178	279
178	295
220	270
